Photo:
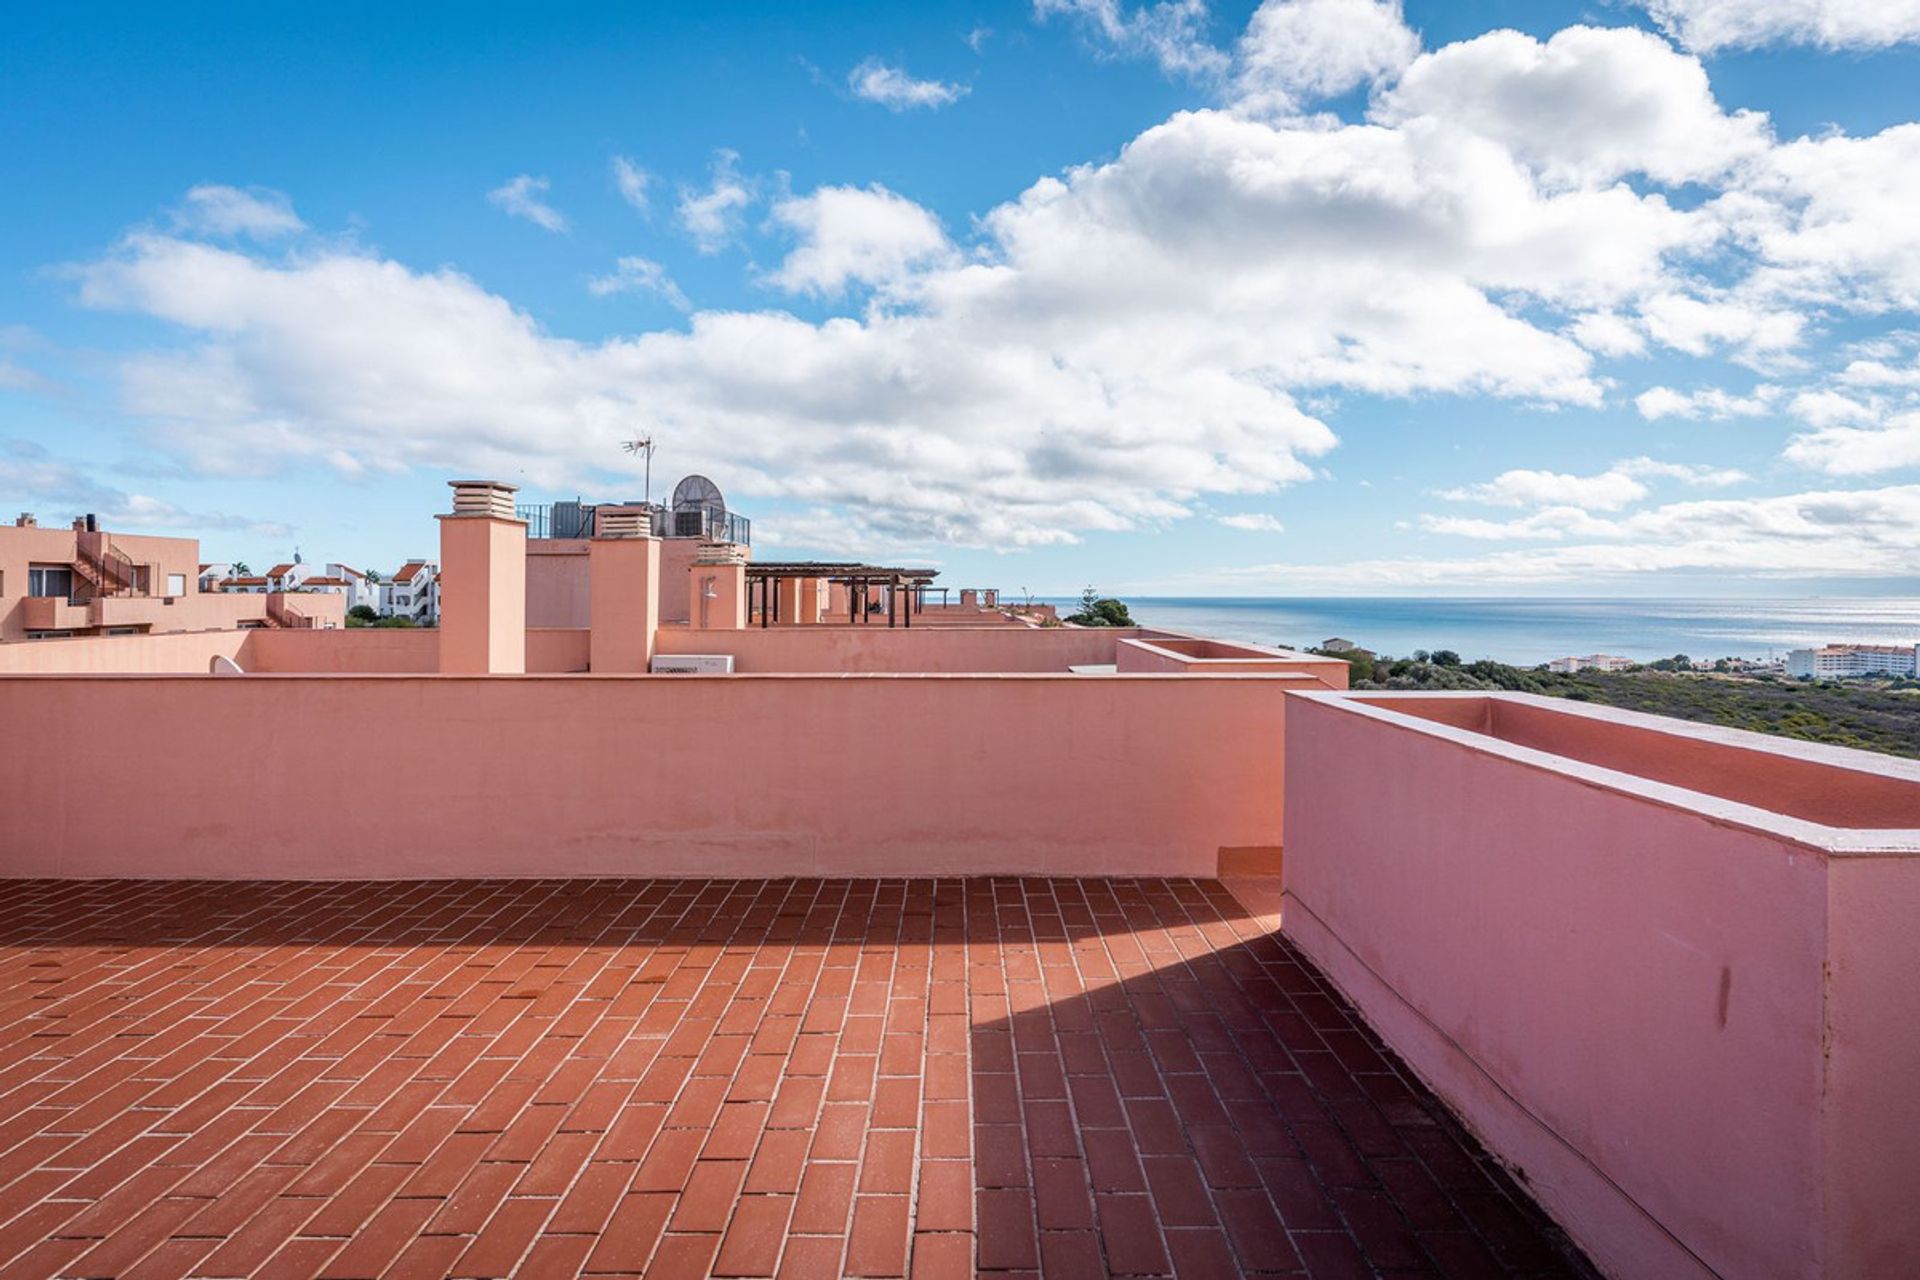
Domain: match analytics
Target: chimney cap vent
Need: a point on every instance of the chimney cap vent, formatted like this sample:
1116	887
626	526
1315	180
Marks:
485	498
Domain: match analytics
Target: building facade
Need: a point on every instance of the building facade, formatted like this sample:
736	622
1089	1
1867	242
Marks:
1845	661
81	580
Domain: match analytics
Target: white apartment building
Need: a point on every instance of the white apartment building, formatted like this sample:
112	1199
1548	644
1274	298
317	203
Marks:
1841	661
1592	662
413	592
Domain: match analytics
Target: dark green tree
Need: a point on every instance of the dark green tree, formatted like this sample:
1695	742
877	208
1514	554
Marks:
1101	611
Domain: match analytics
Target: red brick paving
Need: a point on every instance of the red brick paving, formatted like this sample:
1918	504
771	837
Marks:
793	1078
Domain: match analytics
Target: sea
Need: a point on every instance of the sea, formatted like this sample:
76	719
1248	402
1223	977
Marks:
1529	631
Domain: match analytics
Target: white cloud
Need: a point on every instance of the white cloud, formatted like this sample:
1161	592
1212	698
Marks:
1877	373
211	209
978	37
1171	32
632	182
1297	52
1829	408
1587	106
1608	491
1821	534
639	275
1712	403
1253	522
1831	220
867	235
1621	485
1702	326
1547	524
1853	436
521	197
31	479
1123	343
891	87
712	217
1707	25
1859	451
1608	333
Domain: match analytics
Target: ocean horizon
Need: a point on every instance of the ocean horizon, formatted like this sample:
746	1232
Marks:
1526	631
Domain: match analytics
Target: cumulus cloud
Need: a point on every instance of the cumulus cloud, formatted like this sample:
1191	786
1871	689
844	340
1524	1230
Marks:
1253	522
639	275
1621	485
891	87
32	479
632	182
1172	33
1587	106
1830	220
1123	343
1712	403
524	197
1298	52
1852	533
256	212
1703	325
712	216
1707	25
1609	334
1856	434
864	235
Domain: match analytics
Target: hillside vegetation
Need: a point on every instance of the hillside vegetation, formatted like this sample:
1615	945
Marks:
1875	715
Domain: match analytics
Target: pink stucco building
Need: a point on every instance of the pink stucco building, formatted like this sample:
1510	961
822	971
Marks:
61	583
965	944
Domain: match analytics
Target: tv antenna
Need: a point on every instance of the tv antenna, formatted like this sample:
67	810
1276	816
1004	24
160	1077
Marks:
643	446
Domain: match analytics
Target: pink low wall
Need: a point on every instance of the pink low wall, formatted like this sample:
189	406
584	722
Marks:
558	650
1694	1024
825	648
182	651
1169	652
350	651
638	776
853	649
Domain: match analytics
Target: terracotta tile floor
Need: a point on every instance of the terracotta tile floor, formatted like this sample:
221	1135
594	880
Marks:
794	1078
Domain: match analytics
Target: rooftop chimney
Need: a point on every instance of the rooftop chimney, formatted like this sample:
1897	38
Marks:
491	498
26	521
622	522
483	581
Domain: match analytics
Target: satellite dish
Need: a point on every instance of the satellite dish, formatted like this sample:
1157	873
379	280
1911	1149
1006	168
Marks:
698	493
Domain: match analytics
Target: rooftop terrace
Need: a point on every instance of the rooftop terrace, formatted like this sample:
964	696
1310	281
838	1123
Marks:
462	951
737	1078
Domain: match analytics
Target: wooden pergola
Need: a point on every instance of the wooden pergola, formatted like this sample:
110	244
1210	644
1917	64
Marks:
859	579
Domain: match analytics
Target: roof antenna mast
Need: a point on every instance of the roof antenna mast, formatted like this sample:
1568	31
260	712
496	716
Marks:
643	445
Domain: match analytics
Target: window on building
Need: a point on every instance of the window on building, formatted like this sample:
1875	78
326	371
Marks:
176	584
50	580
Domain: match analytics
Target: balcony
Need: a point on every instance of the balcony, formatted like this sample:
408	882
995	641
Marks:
53	613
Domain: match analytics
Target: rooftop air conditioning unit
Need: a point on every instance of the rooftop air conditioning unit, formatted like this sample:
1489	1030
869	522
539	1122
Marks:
693	664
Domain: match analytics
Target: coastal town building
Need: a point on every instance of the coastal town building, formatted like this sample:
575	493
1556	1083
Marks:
1592	662
916	939
1844	661
412	592
81	580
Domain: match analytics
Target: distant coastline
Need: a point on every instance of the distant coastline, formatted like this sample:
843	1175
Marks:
1528	631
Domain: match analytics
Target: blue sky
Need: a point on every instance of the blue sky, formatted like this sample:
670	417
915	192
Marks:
1308	297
